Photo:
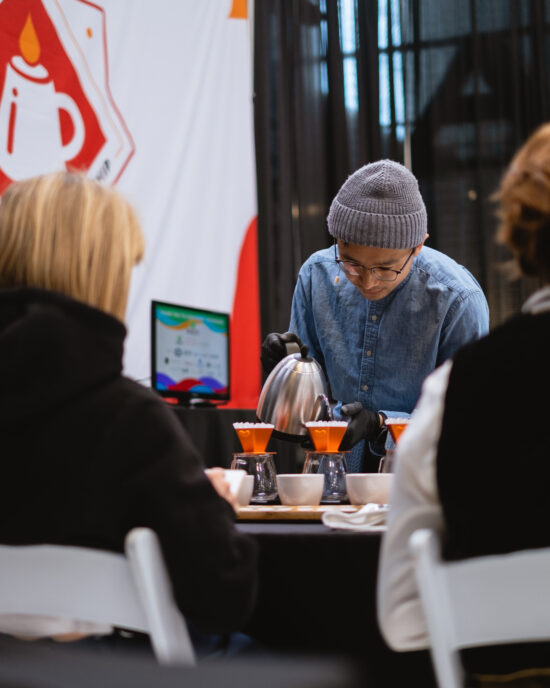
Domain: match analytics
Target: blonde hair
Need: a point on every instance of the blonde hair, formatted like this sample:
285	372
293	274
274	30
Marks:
524	214
66	233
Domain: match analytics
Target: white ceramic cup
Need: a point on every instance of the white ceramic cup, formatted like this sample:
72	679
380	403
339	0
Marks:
235	479
297	489
245	490
369	488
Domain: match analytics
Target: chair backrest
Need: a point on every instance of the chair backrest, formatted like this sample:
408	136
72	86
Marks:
132	591
480	601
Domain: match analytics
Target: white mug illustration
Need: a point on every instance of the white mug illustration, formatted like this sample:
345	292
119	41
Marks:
30	130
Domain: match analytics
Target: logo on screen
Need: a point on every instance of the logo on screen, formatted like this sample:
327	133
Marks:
56	109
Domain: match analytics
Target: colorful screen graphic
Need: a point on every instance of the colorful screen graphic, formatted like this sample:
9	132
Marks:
190	352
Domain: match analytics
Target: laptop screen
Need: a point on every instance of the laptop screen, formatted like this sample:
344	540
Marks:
189	353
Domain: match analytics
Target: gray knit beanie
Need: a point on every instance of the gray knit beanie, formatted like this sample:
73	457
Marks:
379	205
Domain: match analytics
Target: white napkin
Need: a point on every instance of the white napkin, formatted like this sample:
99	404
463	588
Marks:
369	517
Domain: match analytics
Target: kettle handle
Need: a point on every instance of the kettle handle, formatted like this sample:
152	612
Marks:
292	348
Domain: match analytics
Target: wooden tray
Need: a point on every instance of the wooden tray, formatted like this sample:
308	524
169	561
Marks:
260	512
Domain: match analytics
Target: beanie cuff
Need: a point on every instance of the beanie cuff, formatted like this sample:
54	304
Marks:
377	229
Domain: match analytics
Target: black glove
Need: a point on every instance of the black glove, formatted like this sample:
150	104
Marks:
363	425
274	349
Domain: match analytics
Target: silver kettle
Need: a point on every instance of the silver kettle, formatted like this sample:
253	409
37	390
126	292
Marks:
294	393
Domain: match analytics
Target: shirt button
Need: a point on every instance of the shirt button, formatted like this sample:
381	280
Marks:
374	318
365	387
369	353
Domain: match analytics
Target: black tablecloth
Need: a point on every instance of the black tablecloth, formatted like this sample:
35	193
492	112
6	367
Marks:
318	593
212	432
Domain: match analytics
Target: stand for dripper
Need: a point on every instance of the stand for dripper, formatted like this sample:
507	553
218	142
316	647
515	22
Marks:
326	437
256	461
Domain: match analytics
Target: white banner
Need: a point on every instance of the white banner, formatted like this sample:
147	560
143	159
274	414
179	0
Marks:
155	97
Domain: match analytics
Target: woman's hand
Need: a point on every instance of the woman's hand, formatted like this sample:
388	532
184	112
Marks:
222	487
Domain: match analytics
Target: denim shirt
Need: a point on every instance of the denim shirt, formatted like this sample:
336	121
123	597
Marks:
379	352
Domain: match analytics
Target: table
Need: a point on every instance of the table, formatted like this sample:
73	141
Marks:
317	593
211	430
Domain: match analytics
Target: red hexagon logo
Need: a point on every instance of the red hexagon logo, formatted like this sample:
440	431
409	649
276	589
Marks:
56	108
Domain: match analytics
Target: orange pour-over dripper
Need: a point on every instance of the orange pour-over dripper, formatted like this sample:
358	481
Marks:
253	436
326	435
396	427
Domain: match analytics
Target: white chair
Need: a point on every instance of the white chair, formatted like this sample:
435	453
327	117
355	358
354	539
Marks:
481	601
132	592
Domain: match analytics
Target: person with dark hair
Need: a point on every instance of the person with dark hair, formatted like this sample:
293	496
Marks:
379	310
463	478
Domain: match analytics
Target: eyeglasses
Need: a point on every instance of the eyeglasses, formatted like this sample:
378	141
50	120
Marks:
353	269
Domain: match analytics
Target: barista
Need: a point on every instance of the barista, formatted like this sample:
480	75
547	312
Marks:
379	310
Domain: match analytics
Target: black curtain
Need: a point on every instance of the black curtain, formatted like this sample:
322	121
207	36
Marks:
450	88
477	86
290	123
307	141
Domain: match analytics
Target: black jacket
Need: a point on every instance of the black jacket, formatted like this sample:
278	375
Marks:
88	454
493	472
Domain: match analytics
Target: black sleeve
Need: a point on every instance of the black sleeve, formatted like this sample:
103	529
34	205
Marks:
211	564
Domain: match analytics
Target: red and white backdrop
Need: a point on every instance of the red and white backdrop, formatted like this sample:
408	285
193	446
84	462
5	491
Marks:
155	97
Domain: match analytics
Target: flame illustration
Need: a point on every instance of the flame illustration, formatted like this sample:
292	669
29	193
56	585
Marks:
28	42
